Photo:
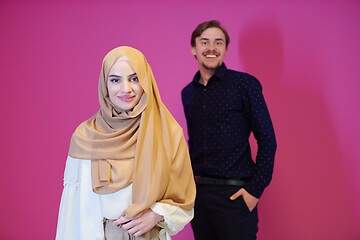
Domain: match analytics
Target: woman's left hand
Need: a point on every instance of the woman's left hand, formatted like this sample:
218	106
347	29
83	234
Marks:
144	222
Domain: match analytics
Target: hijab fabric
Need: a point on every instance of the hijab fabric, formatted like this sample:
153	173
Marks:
144	146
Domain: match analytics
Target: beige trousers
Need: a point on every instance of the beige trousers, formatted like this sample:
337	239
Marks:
113	232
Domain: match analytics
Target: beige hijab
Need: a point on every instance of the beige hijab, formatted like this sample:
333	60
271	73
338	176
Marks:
145	146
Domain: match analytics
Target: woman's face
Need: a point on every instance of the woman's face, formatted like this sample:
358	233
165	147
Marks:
123	85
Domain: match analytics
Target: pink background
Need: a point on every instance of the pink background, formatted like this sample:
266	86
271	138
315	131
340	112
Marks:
305	53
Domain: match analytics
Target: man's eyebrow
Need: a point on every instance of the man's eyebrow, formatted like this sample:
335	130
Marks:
216	39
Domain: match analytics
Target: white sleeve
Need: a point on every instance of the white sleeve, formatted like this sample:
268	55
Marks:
175	218
80	216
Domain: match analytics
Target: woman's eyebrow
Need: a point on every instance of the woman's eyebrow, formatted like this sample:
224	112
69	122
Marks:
132	75
114	76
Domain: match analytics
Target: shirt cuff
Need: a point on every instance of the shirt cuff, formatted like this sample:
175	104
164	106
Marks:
175	218
255	191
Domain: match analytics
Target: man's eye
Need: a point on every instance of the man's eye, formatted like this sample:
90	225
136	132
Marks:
204	43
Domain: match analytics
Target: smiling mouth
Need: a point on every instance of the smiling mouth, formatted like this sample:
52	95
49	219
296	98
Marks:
126	98
210	56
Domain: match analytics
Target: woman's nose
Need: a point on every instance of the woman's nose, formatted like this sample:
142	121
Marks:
125	87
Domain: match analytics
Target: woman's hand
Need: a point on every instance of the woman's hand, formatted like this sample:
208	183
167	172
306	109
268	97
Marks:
140	225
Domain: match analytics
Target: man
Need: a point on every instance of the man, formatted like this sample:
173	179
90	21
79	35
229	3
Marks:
222	107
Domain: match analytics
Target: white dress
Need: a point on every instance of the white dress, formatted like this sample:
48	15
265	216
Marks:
82	211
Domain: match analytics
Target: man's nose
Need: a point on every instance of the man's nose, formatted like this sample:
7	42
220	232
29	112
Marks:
211	46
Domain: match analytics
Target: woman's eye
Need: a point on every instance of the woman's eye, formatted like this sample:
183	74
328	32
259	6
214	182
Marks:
134	79
114	80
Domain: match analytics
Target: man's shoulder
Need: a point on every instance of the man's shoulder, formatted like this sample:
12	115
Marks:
187	88
243	78
239	74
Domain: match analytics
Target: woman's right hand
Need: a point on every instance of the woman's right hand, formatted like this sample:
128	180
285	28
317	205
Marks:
143	223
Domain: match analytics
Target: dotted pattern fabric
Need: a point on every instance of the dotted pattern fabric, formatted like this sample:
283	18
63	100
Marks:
220	117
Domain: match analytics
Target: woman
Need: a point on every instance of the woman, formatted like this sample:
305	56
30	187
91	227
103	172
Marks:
128	174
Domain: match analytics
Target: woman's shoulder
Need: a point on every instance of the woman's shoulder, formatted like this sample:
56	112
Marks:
85	124
174	127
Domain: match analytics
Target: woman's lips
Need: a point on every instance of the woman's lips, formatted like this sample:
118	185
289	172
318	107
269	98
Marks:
126	98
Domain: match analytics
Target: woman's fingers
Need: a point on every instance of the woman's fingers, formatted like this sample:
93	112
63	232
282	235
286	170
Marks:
145	222
121	220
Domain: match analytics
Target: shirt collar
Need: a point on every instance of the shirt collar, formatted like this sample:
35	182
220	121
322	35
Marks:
219	74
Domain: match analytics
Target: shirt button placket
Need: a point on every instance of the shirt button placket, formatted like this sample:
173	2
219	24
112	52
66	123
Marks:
204	94
204	118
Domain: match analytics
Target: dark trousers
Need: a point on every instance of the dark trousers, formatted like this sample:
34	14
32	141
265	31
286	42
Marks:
219	218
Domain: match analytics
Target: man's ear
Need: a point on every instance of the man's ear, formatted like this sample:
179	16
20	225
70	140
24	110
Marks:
193	52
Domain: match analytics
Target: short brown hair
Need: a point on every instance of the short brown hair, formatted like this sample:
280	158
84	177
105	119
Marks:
205	25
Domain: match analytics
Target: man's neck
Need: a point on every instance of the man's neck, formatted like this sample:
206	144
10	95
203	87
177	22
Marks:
205	75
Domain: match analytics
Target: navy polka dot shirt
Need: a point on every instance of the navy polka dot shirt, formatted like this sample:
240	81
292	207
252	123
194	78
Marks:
220	117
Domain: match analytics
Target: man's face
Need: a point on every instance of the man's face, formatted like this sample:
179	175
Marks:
210	49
